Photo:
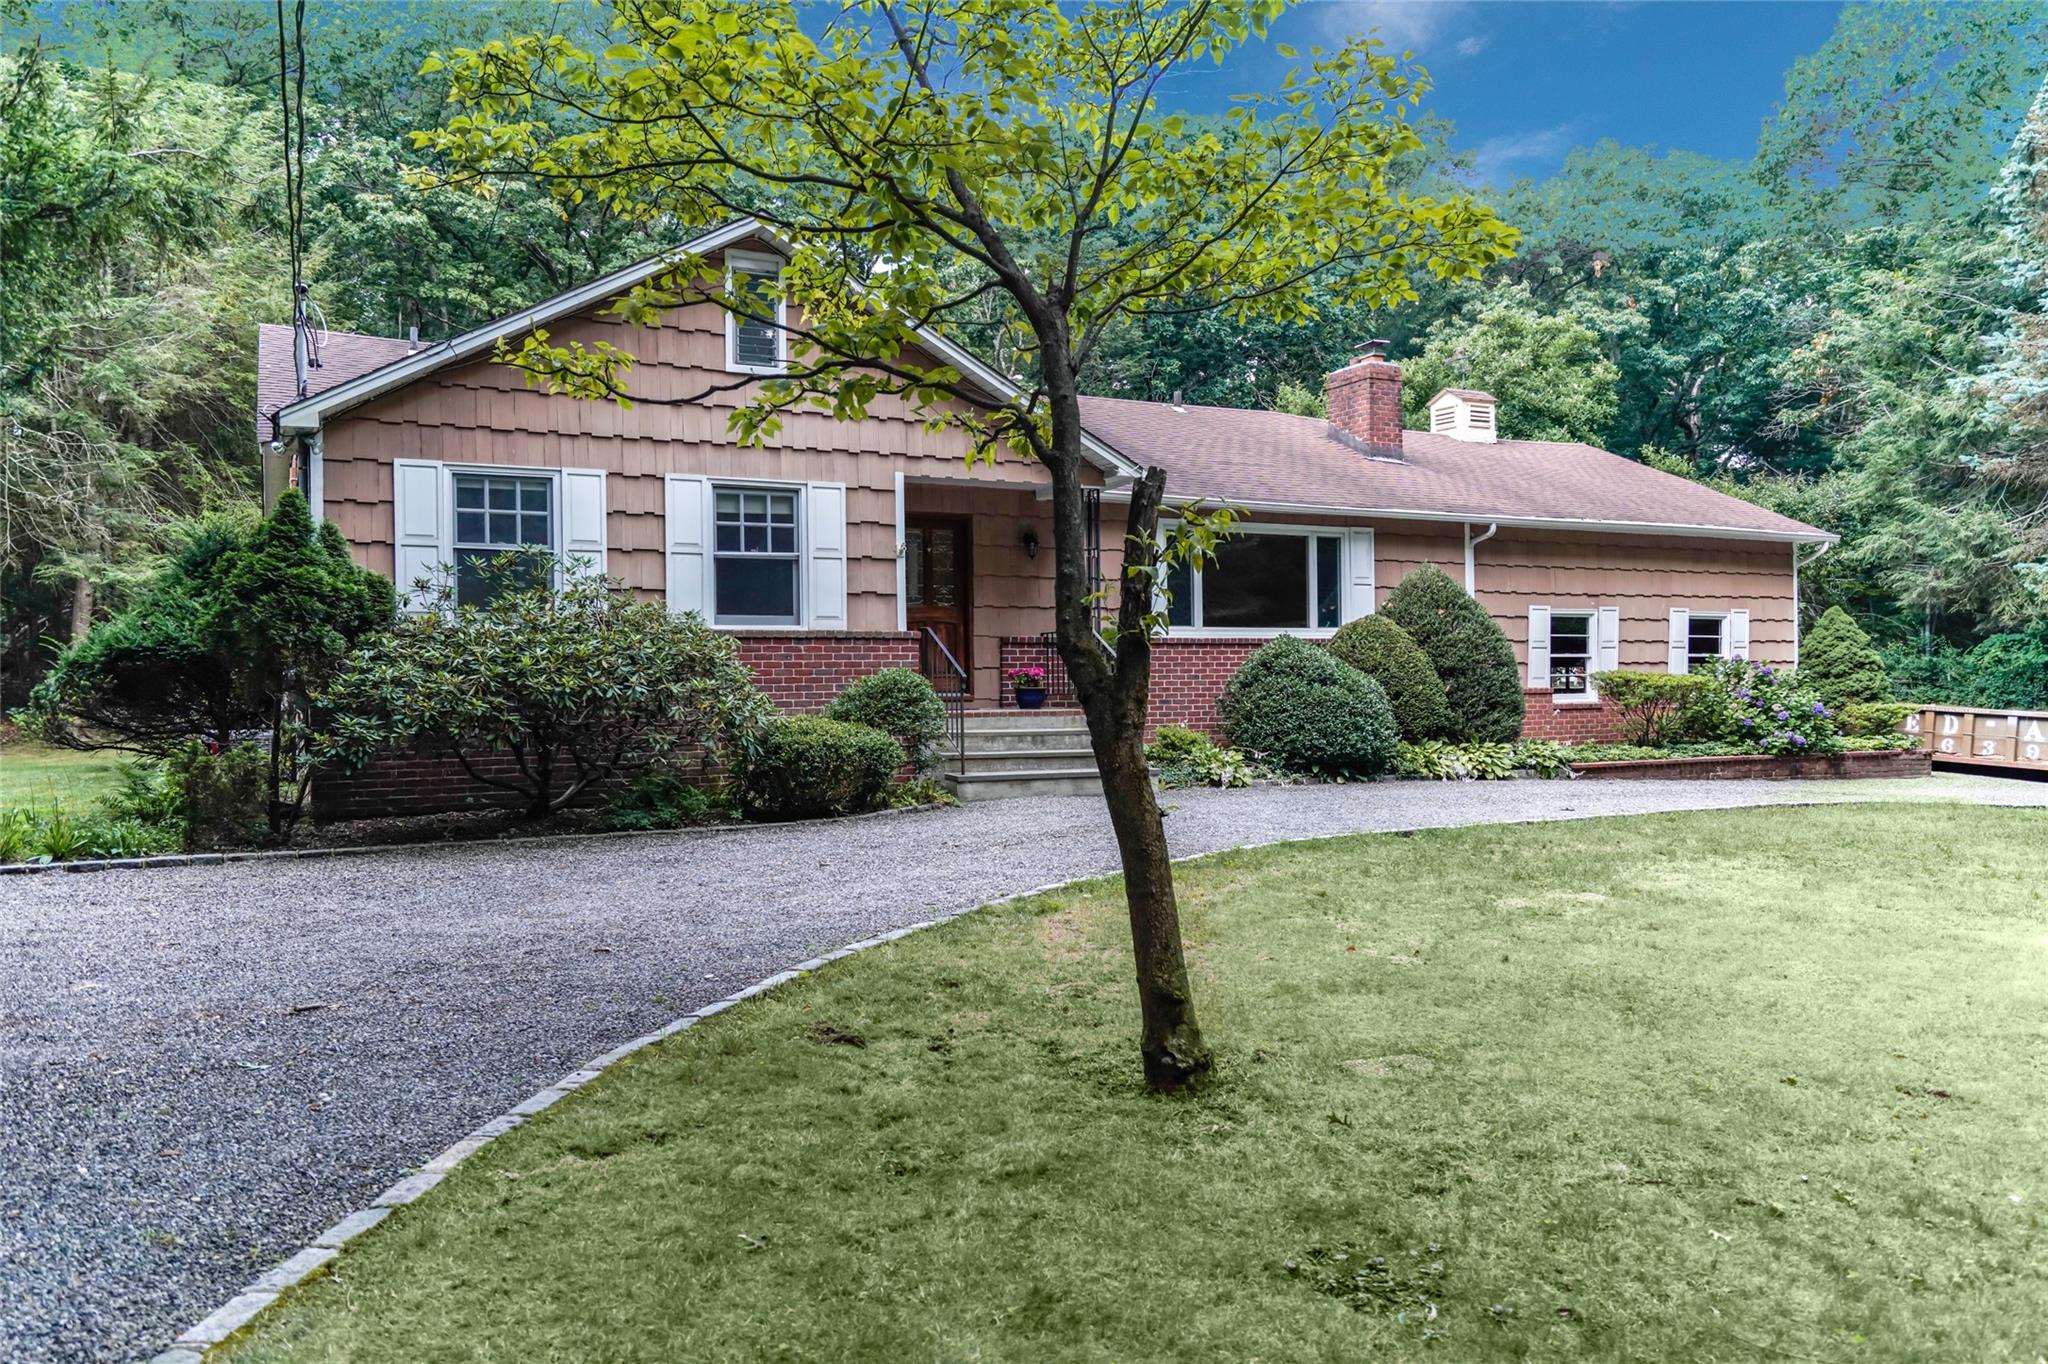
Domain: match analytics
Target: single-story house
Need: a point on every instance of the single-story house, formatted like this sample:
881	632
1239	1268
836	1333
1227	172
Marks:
842	547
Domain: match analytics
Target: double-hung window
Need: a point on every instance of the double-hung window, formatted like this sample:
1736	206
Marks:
1706	640
755	335
756	561
494	514
1261	580
1571	653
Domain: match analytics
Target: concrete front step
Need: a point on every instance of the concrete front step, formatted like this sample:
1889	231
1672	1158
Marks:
1009	785
1005	720
1079	760
1024	740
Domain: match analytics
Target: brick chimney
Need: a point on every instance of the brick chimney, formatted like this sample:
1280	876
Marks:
1364	400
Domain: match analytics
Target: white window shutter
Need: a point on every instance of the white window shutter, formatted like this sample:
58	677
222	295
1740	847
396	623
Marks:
1539	648
1608	650
1737	642
1681	623
825	556
687	513
583	518
1360	582
420	529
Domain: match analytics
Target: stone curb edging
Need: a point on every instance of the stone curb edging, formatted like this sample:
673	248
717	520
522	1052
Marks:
214	859
191	1346
261	1292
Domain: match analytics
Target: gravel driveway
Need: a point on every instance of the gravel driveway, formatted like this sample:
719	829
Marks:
202	1067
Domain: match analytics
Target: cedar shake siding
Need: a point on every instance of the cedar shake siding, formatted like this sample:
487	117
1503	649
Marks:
481	413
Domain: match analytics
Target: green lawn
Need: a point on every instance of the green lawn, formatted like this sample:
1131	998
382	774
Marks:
1755	1085
38	775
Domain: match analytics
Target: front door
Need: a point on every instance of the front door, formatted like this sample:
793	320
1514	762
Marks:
935	580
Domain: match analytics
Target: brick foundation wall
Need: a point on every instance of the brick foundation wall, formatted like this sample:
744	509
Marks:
1188	677
1569	723
800	672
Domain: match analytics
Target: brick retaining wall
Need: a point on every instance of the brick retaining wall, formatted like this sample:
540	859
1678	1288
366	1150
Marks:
1908	762
800	672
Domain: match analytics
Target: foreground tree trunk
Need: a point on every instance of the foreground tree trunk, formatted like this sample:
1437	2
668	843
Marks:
1115	691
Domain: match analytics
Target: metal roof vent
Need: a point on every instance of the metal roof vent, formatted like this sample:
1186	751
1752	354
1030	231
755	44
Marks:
1464	414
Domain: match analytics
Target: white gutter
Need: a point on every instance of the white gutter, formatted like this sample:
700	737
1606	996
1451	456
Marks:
1801	537
1471	562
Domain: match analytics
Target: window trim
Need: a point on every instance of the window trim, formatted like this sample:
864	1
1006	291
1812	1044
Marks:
1591	695
449	472
802	558
755	263
1720	618
1342	535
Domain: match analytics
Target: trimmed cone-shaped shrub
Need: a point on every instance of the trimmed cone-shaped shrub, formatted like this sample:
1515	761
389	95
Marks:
1390	656
1838	664
1473	659
808	767
1301	709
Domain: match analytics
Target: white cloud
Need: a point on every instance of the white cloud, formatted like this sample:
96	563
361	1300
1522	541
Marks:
1473	45
1402	24
1497	158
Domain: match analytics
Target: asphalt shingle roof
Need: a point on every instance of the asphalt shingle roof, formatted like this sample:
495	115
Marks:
1231	454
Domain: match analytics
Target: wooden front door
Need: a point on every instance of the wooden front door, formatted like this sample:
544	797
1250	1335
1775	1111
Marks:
936	569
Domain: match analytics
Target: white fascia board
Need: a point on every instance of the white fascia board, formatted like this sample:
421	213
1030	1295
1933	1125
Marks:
1806	537
307	413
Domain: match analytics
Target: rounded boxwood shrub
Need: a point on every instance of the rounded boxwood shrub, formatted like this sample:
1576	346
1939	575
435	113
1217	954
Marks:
807	767
1390	656
1303	710
1838	664
898	701
1482	681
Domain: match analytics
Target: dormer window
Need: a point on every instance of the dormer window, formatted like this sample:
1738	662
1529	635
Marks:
755	344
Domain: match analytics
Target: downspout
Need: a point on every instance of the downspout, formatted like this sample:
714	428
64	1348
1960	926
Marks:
1819	550
1471	562
316	476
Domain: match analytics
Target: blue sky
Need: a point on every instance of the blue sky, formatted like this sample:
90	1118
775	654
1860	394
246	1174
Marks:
1528	80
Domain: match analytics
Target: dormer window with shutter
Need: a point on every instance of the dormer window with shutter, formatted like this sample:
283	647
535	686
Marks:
755	344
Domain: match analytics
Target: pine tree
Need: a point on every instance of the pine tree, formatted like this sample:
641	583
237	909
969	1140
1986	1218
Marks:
1838	664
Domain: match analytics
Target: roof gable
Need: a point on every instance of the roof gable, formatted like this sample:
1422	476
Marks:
307	414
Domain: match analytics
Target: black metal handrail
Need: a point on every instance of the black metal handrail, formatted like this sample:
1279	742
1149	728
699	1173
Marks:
949	680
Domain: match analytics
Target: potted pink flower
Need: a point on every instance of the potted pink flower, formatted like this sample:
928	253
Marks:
1029	684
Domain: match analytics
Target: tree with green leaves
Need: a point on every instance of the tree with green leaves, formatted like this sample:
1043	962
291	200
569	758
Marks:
1837	662
228	639
1546	370
291	605
983	149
